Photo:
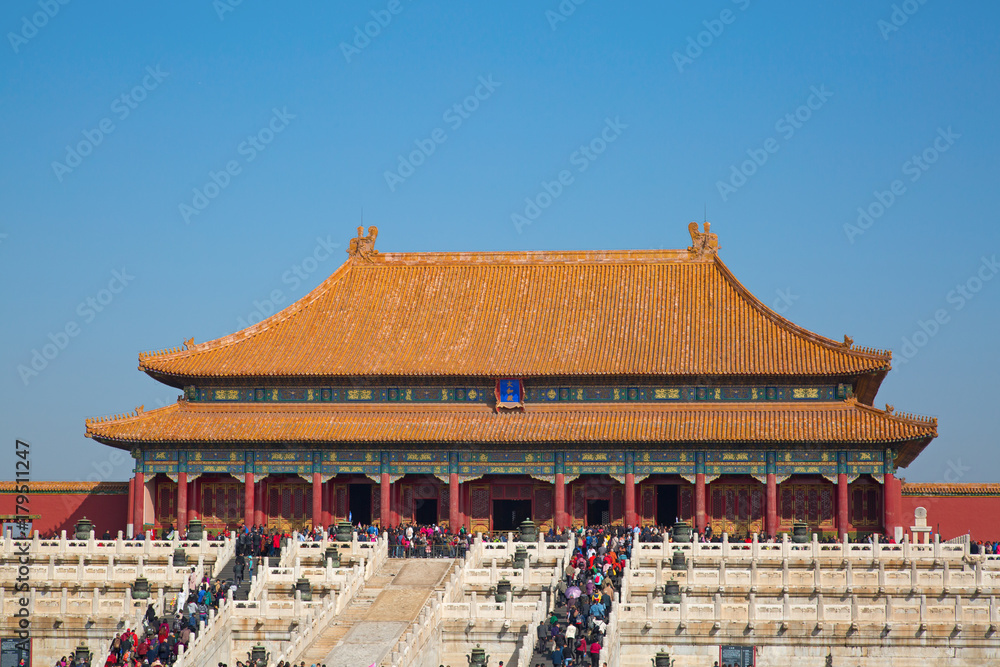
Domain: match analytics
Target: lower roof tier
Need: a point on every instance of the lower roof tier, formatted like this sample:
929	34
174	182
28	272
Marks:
846	422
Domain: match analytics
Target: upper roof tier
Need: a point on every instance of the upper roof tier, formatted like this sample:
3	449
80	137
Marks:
522	314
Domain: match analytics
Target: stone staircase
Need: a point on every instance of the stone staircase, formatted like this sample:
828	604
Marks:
227	574
379	614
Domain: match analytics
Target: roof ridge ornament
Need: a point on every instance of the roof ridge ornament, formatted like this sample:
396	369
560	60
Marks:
189	343
364	246
848	341
703	244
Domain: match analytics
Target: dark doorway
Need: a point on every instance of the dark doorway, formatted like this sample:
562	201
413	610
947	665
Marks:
508	514
425	511
666	504
598	512
360	502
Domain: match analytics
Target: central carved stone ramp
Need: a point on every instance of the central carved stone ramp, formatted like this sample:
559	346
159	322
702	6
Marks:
377	617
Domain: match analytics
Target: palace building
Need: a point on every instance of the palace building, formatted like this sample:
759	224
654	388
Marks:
477	389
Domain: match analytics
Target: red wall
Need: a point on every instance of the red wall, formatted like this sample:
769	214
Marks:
60	510
952	516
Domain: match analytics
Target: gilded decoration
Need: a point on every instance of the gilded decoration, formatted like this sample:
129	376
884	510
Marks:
363	247
703	243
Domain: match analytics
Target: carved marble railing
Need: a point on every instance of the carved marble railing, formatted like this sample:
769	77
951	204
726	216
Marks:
37	547
906	616
427	627
540	551
972	576
648	552
101	575
314	550
213	642
317	619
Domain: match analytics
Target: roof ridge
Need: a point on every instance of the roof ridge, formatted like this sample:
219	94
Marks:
139	412
903	417
846	346
258	327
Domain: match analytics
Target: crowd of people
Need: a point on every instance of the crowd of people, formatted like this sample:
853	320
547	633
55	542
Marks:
159	640
980	547
411	541
573	635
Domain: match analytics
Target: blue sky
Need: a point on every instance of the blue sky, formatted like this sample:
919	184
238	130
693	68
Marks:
178	165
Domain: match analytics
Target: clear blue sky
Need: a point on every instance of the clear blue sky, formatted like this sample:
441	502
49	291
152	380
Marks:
114	114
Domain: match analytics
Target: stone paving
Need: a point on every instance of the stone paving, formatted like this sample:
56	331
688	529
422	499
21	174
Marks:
378	622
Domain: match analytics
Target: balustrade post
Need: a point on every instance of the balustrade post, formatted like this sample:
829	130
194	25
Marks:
63	599
62	543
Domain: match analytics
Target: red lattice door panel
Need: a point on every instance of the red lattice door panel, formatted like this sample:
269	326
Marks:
479	510
542	507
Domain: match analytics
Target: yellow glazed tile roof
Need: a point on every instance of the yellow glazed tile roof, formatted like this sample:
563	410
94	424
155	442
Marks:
839	422
521	314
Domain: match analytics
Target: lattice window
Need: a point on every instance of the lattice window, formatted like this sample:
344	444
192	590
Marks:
617	506
274	504
167	503
407	503
787	504
648	505
543	504
687	503
444	506
873	507
579	506
377	504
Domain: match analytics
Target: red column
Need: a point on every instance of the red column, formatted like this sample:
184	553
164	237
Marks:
699	501
842	505
193	504
560	518
317	510
630	518
454	520
131	504
891	491
385	501
326	515
182	501
248	498
259	503
140	502
771	503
